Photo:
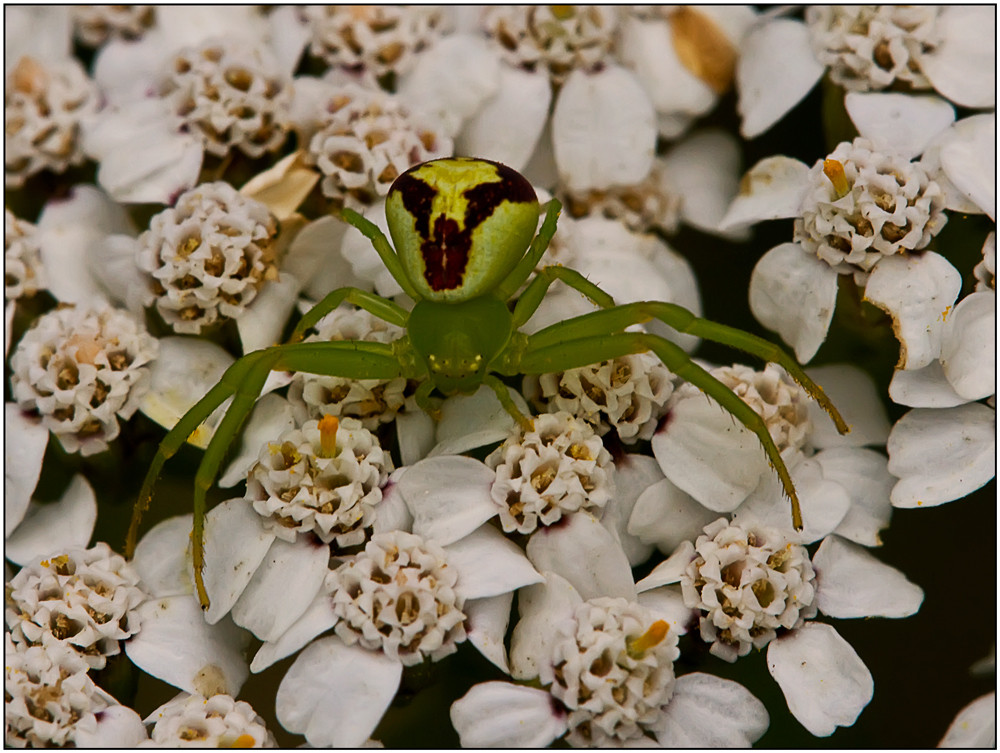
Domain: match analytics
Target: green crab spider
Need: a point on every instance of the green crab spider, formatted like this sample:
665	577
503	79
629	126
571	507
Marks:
464	245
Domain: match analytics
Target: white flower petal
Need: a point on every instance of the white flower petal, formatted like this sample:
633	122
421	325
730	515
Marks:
775	70
235	545
916	291
317	619
940	455
112	261
67	228
706	167
23	452
603	130
508	125
864	475
117	727
415	435
502	715
271	417
666	516
824	681
282	587
185	370
392	513
670	570
634	473
904	122
362	258
771	190
489	564
542	607
176	645
971	162
143	156
44	32
975	726
486	625
449	496
452	80
470	421
964	129
969	346
583	552
706	711
854	394
924	388
963	66
335	694
709	454
163	558
853	583
824	503
46	528
794	294
667	603
262	322
316	248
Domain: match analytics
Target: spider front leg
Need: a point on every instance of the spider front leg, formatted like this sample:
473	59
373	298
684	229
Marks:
244	381
543	356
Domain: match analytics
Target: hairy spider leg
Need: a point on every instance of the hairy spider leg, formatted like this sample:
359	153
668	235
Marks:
522	271
383	308
353	359
386	252
533	295
593	348
682	320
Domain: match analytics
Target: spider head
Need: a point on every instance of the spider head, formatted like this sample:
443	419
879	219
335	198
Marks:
459	341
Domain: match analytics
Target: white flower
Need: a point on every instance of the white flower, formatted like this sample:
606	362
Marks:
398	596
83	598
23	273
51	701
325	478
557	468
219	721
96	24
868	48
45	103
81	370
975	726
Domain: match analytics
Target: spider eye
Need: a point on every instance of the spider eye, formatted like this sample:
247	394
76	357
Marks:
460	225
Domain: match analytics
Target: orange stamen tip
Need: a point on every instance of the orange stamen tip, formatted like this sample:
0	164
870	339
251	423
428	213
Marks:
244	741
834	170
652	637
328	426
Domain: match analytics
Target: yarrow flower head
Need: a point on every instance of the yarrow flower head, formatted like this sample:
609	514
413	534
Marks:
628	394
865	203
208	255
23	274
372	401
376	40
83	598
219	721
398	596
612	667
557	39
749	584
365	140
96	24
44	104
559	467
232	95
50	699
872	47
325	478
80	370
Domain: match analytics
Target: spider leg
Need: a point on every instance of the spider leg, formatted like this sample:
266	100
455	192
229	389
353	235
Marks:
522	271
543	356
381	307
385	250
529	301
682	320
244	381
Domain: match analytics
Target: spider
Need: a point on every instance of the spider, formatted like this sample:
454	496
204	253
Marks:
465	244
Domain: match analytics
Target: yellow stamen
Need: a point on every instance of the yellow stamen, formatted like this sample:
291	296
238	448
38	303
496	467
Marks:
834	170
328	426
244	741
637	647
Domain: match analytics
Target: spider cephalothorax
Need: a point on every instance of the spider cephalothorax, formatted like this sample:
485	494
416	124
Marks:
465	249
